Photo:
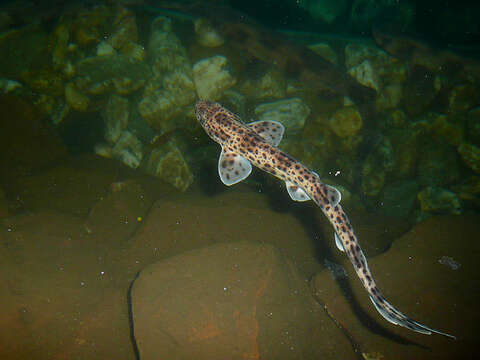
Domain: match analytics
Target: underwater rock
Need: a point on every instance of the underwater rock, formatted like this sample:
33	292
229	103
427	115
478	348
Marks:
462	98
436	200
406	144
469	189
346	122
234	300
105	49
356	54
104	150
171	88
207	35
376	167
271	85
390	97
437	164
124	35
103	74
75	98
128	150
325	51
473	126
60	47
443	129
366	74
7	85
167	163
116	115
470	155
211	78
292	113
324	10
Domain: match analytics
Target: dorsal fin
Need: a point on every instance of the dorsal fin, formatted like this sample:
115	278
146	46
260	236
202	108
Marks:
271	131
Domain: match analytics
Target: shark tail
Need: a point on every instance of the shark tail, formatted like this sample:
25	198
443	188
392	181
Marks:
393	315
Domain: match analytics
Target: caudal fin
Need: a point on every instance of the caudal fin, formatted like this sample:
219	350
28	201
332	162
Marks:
391	314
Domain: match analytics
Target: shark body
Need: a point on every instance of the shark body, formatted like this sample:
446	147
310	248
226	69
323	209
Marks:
256	143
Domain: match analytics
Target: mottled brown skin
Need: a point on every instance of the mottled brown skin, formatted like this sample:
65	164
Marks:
226	128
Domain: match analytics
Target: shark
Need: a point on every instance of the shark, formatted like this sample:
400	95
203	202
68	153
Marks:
255	143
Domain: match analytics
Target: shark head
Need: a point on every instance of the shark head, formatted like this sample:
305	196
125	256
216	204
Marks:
204	110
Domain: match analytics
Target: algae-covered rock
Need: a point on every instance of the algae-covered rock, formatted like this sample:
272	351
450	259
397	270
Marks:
436	200
437	164
128	150
470	155
117	73
346	122
376	166
292	113
325	51
211	77
390	97
75	98
271	85
469	189
171	88
462	98
366	74
167	163
473	126
207	35
116	115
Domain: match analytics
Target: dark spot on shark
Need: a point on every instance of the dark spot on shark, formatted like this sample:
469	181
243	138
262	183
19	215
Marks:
224	164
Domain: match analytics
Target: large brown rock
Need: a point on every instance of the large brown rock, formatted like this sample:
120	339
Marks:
230	301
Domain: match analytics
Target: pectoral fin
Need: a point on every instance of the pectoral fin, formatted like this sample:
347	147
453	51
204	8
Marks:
233	168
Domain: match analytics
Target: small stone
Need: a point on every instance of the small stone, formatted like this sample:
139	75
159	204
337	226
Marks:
470	155
167	163
366	74
76	99
206	34
292	113
116	116
346	122
211	78
128	150
437	200
325	51
105	49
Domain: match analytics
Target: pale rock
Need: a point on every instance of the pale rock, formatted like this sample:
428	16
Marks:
346	122
128	150
167	163
206	35
292	113
325	51
7	85
103	150
270	85
436	200
390	97
116	115
366	74
211	78
105	49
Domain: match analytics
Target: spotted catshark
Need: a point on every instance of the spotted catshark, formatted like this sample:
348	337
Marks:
256	143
